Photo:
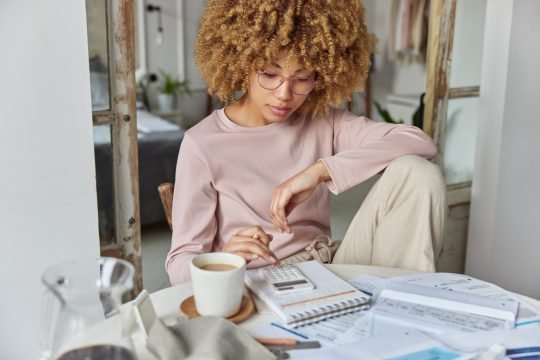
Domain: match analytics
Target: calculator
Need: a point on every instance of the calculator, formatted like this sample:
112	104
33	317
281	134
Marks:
286	279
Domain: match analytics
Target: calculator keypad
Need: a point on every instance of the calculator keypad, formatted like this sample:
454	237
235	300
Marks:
286	278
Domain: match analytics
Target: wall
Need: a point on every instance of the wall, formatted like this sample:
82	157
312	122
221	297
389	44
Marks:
48	210
168	55
503	234
389	77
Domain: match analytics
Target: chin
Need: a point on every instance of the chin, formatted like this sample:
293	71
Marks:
275	118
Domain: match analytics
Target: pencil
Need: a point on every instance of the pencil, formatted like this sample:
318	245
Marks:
277	341
289	330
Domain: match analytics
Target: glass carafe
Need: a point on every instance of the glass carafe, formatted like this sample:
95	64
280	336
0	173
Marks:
82	317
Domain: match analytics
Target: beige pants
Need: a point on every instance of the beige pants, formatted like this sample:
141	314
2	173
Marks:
400	223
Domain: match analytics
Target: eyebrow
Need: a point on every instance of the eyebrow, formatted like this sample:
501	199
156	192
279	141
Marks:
279	67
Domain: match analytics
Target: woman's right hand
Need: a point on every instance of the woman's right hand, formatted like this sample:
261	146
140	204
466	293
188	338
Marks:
251	243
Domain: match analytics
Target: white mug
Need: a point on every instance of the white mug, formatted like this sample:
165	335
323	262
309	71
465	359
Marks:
218	291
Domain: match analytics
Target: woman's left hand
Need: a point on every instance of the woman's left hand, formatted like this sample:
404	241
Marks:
295	191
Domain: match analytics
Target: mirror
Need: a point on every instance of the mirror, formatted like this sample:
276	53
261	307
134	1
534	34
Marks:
96	17
140	43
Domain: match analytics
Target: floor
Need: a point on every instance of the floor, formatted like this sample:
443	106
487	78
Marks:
156	238
156	241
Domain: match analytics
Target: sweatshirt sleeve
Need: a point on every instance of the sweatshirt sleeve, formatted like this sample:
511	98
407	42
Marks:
193	211
363	148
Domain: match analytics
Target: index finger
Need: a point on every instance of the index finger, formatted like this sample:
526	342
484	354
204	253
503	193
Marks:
258	233
277	210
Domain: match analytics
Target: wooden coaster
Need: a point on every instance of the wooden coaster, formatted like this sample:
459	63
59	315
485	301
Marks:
247	307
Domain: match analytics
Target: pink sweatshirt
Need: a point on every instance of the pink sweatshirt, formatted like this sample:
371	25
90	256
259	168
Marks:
226	173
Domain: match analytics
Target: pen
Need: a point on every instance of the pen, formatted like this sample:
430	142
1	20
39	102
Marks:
365	292
527	322
277	341
289	330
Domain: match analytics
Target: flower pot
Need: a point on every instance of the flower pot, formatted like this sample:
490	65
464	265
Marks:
166	102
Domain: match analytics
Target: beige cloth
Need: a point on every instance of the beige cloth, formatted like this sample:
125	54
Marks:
204	338
400	223
321	249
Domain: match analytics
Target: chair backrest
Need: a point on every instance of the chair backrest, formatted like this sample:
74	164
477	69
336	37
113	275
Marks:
166	195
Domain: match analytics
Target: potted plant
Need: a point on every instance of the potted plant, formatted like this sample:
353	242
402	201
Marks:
168	90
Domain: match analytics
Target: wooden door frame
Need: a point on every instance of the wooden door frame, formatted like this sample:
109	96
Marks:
439	63
122	117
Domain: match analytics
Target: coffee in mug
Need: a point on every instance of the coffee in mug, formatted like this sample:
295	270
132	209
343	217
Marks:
218	283
218	267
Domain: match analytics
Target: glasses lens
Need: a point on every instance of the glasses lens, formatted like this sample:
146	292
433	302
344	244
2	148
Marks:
300	85
269	81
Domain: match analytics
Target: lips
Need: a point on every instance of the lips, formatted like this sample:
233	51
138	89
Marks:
279	111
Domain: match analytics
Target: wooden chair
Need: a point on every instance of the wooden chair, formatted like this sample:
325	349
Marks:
166	195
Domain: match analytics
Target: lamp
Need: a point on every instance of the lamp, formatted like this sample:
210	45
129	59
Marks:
156	8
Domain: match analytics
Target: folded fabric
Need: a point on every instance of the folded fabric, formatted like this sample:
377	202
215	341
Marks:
206	337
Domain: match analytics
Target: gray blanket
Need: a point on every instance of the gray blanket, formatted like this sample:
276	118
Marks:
207	337
158	153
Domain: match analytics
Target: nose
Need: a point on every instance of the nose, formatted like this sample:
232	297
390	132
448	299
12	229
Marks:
284	92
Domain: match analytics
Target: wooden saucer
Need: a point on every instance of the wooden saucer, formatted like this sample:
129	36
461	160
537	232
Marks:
247	307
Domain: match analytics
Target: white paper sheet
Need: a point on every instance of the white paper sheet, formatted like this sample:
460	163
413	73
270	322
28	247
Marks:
521	340
393	342
434	319
469	285
340	330
369	284
415	345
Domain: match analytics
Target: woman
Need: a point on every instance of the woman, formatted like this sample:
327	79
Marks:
248	175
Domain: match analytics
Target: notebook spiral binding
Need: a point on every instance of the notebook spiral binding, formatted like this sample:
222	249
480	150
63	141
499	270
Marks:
325	312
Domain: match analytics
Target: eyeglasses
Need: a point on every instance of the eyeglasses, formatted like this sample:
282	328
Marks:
300	85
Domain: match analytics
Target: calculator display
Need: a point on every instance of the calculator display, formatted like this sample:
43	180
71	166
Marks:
290	283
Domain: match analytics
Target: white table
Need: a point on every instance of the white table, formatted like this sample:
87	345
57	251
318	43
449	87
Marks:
167	301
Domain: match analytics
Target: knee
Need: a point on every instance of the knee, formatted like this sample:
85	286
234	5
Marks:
422	173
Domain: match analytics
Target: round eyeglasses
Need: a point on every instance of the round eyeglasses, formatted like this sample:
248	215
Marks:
300	85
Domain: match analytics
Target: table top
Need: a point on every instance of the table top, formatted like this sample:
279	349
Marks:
167	301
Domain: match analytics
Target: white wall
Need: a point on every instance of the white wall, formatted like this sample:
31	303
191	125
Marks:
504	229
466	69
166	55
389	77
48	209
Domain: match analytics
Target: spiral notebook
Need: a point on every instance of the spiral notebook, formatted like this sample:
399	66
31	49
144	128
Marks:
331	297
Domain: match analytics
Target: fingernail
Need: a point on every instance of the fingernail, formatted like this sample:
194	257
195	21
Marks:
273	260
254	256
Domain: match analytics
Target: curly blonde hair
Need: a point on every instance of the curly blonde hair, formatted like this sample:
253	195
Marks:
325	36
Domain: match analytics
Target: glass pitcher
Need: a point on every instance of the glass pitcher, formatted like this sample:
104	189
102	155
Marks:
84	319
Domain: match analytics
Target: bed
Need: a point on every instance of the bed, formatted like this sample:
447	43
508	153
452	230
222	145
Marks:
159	142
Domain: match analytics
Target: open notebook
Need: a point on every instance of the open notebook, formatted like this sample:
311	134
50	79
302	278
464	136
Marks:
332	296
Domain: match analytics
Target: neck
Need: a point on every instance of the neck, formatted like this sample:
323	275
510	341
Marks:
242	113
